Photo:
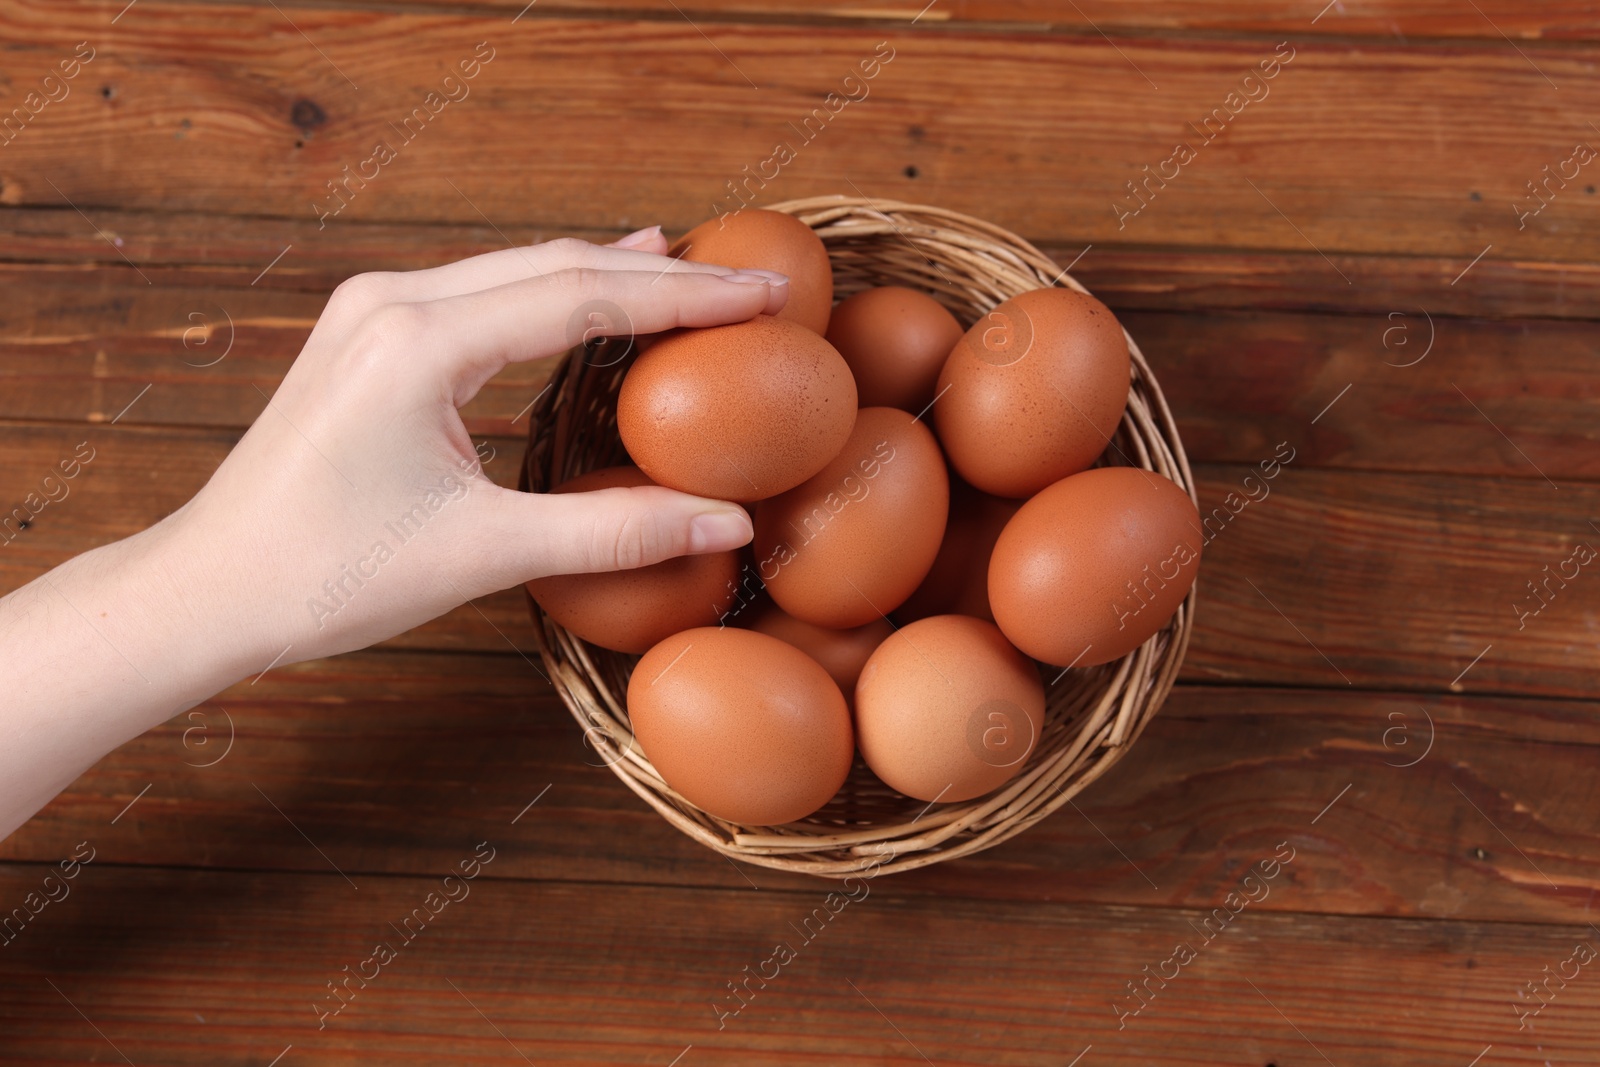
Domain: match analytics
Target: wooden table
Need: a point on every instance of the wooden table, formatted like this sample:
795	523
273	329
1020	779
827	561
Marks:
1351	267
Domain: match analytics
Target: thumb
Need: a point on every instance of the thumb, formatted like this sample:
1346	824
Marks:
609	529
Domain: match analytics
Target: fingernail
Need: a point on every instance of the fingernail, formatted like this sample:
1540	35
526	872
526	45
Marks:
720	530
754	277
638	238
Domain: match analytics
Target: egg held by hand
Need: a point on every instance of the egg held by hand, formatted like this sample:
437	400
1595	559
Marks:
738	412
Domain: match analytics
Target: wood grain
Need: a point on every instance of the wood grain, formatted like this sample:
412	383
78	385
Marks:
1567	20
1427	393
1369	579
1364	579
179	967
1314	165
239	249
234	252
1505	399
80	347
380	758
1360	687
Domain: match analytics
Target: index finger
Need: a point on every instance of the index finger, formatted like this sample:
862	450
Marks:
507	265
534	317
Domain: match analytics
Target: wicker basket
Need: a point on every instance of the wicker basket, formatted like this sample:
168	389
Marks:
1092	714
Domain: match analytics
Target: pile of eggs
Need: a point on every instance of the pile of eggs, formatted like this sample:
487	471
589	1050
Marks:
908	585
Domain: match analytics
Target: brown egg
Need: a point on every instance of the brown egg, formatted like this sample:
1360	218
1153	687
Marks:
741	724
842	653
896	341
769	240
1033	391
628	611
958	583
1094	565
947	710
850	544
737	412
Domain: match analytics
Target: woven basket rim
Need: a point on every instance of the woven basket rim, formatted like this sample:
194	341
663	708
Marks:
1092	718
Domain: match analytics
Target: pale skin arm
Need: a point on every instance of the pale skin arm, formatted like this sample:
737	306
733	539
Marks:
118	640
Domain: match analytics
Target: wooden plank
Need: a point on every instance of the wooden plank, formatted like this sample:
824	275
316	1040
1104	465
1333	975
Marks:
1469	396
1568	20
381	758
1374	578
237	249
1175	279
1366	579
179	967
82	344
1314	164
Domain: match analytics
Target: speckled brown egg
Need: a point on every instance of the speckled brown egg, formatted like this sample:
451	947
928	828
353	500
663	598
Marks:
628	611
1094	565
947	710
769	240
896	341
737	412
958	582
842	653
741	724
851	543
1033	391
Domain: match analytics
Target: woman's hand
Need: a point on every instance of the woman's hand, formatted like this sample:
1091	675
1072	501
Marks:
354	508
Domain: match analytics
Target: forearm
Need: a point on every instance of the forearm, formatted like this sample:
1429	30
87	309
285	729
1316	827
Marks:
355	507
101	649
